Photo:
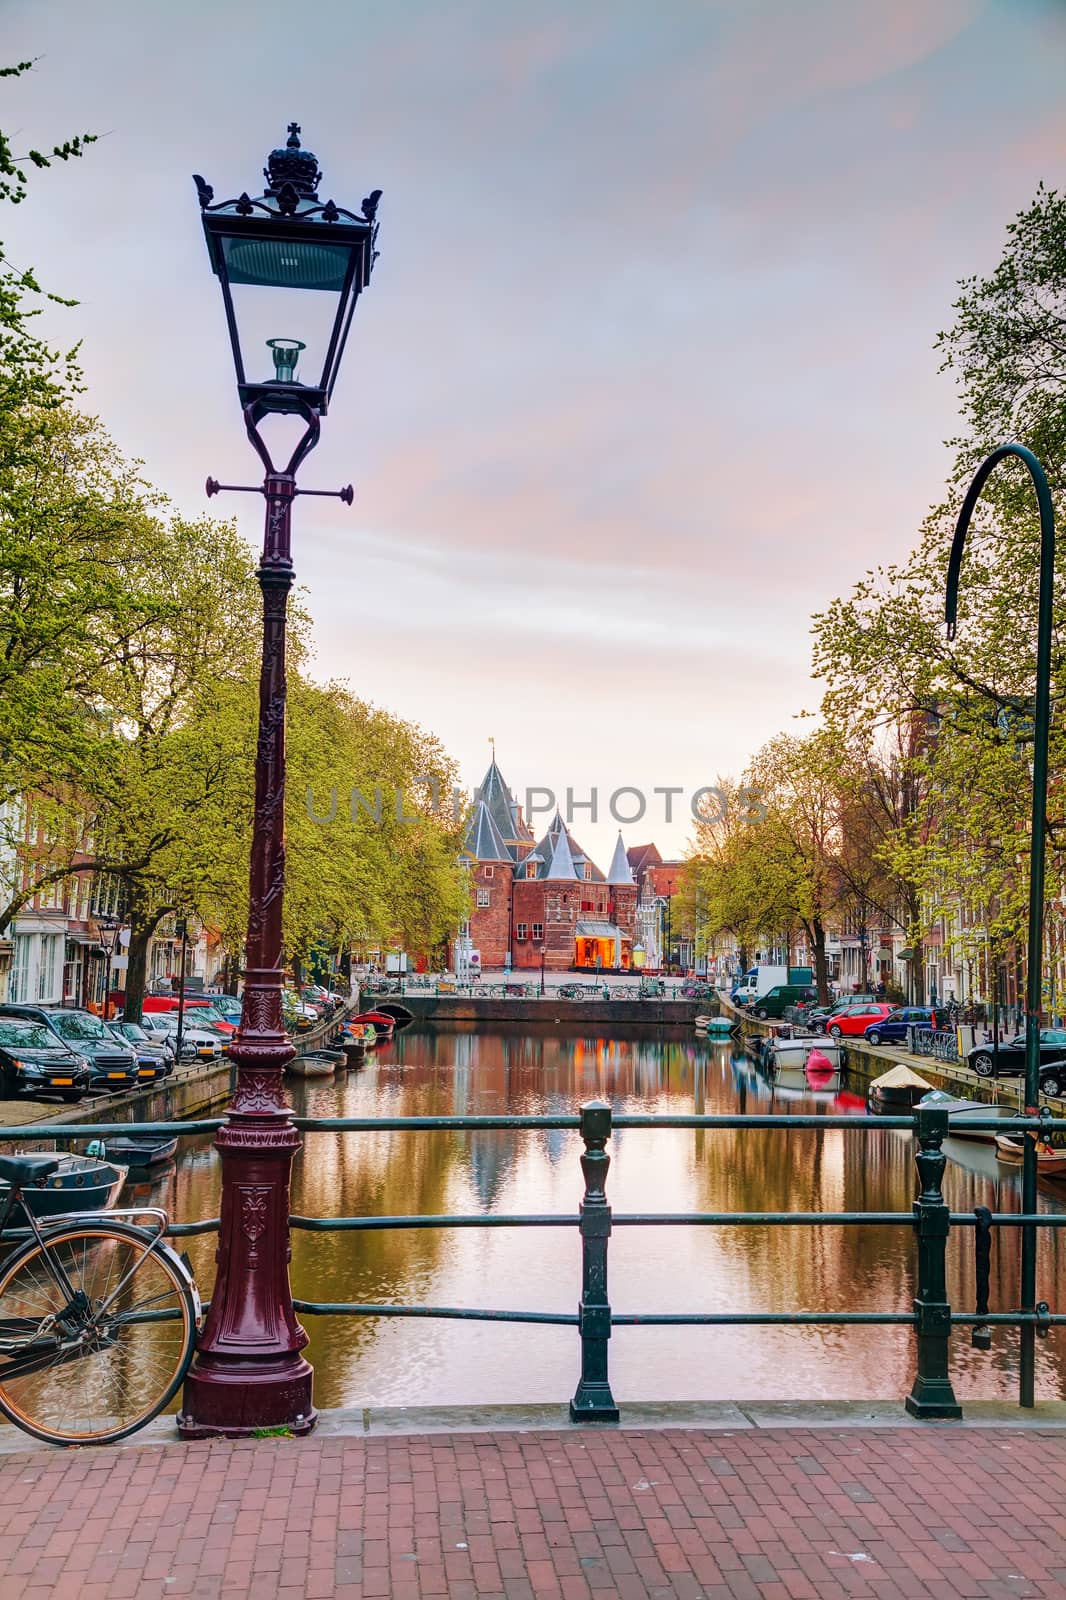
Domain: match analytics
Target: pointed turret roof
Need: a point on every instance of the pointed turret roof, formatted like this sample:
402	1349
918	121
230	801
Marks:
496	795
561	864
483	839
620	871
544	851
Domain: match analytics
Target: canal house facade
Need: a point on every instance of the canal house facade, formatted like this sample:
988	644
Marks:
543	902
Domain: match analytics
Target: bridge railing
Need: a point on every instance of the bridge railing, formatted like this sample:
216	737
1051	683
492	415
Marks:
932	1316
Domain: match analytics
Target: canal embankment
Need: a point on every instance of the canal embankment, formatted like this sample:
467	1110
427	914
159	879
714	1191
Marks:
191	1091
866	1061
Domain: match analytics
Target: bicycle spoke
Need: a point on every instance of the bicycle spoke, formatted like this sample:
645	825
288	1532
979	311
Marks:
134	1326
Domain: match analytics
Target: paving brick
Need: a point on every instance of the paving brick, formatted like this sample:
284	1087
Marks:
768	1515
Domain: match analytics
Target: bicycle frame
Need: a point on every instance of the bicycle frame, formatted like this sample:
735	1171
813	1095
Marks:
22	1346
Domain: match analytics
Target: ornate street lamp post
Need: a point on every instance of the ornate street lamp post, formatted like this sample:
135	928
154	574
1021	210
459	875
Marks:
109	927
248	1371
1042	722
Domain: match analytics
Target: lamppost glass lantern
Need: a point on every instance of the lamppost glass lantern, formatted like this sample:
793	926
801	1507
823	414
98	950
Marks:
263	250
109	928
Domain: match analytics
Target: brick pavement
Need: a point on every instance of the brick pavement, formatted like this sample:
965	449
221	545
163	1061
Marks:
757	1515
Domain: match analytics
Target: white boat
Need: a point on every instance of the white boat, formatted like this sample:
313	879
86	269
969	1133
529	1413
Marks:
794	1052
310	1067
716	1025
896	1092
961	1113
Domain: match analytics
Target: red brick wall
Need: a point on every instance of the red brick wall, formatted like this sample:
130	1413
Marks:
490	926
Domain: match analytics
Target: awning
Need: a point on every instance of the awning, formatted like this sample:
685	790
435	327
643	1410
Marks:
600	930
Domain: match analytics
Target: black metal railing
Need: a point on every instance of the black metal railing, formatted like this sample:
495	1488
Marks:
932	1316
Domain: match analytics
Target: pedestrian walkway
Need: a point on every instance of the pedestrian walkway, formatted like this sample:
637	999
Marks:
755	1513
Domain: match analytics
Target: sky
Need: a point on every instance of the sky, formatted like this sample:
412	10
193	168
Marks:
645	375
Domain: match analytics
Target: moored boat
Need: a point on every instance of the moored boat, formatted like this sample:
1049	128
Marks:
962	1113
139	1150
383	1024
310	1066
796	1051
397	1014
80	1183
1010	1148
897	1091
714	1025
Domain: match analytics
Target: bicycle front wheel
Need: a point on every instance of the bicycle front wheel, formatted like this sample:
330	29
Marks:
127	1345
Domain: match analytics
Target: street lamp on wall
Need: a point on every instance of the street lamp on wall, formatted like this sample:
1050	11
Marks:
291	268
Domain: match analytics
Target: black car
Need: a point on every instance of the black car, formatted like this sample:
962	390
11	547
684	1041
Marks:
155	1058
32	1058
112	1064
982	1058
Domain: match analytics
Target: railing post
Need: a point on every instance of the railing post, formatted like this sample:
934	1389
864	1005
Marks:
593	1400
932	1395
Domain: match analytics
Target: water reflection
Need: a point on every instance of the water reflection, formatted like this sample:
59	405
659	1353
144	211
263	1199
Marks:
666	1269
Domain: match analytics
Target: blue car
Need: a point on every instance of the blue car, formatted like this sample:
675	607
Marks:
893	1029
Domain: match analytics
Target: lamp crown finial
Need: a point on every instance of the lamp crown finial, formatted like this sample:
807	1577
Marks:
290	165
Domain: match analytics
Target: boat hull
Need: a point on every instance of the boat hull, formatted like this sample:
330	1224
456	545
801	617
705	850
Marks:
894	1102
796	1052
81	1184
133	1152
1012	1155
310	1067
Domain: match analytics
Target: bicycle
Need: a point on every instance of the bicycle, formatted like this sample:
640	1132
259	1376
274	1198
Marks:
98	1318
570	991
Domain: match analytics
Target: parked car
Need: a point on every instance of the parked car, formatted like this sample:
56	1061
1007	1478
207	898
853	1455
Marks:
982	1058
197	1043
855	1019
228	1006
202	1006
32	1058
893	1029
155	1058
111	1063
155	1026
781	997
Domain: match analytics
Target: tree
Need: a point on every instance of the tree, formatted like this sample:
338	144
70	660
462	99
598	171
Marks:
882	651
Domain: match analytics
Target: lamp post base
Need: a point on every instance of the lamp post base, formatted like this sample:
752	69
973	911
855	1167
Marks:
236	1400
248	1372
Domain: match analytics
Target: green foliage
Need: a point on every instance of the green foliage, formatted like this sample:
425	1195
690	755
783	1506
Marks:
959	711
129	665
13	179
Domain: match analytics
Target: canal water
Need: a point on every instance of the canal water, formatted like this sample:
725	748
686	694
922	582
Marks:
395	1361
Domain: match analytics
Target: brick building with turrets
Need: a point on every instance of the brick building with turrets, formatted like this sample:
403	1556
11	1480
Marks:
543	902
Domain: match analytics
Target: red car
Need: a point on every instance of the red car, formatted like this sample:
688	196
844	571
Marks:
856	1019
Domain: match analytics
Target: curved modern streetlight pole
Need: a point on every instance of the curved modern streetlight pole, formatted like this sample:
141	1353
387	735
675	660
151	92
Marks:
1042	720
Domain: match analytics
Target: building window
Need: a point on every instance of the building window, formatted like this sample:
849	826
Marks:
522	930
20	966
531	869
588	870
538	932
487	872
48	979
483	897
